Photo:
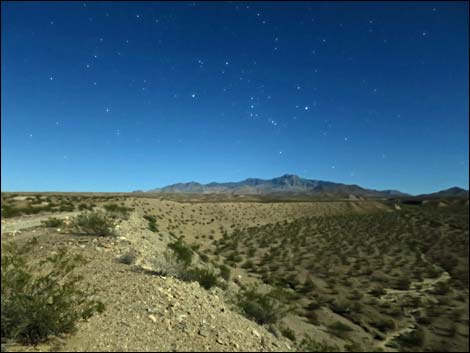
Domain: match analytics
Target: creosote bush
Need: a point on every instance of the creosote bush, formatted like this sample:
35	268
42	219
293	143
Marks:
225	272
53	222
93	223
128	258
35	306
183	253
206	278
262	308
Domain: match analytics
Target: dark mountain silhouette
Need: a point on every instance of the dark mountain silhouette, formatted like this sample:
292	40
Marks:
287	183
451	192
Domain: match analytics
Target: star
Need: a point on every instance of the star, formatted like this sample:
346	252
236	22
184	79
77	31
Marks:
107	110
51	78
30	135
306	107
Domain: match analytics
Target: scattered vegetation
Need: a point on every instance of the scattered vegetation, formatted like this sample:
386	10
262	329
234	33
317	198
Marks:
183	253
53	222
35	306
262	308
93	223
206	278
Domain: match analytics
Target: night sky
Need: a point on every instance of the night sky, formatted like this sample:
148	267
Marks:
119	96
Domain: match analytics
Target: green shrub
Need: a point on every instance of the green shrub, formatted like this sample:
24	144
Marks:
204	257
9	211
410	339
183	253
53	222
93	223
288	333
339	329
84	206
206	278
66	207
152	223
262	308
308	344
127	259
225	272
117	211
150	218
34	306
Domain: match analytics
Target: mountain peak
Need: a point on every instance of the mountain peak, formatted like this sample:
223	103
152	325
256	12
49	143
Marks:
287	183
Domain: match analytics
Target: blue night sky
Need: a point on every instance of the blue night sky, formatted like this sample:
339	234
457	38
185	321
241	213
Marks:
119	96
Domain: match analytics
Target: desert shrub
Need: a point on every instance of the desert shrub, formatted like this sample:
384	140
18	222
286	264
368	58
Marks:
307	286
410	339
204	257
168	264
66	208
34	306
127	258
151	223
312	317
225	272
402	284
183	253
262	308
93	223
308	344
377	291
441	288
84	206
248	264
383	325
150	218
53	222
206	278
116	211
288	333
339	329
9	211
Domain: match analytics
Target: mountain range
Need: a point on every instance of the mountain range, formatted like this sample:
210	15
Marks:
287	183
293	184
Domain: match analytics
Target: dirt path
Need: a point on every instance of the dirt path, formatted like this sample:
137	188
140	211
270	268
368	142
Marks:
13	225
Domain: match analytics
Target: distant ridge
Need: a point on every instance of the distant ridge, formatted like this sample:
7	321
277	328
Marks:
287	183
451	192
